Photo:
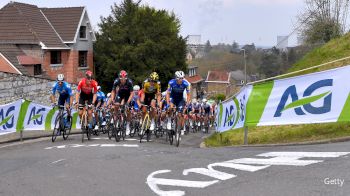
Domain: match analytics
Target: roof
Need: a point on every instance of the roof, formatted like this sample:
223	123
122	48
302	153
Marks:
218	77
11	52
194	79
28	60
65	20
22	23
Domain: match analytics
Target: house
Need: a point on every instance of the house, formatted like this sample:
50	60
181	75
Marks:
44	42
220	82
196	82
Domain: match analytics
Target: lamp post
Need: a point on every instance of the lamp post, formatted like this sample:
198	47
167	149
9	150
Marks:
245	83
245	67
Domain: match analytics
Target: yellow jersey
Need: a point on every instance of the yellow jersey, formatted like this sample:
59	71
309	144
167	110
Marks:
149	89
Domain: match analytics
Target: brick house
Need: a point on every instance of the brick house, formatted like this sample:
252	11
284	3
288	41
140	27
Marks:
196	81
219	82
44	42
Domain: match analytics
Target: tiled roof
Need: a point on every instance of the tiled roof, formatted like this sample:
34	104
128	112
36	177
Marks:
64	20
28	60
194	79
23	23
11	52
218	76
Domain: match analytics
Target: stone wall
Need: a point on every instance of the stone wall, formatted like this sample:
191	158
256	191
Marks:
14	87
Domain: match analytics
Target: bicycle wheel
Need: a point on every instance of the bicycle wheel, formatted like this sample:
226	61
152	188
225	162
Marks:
177	134
132	128
56	129
123	130
143	128
148	136
68	129
117	131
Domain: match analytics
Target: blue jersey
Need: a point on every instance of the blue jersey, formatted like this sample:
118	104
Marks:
65	89
101	97
177	90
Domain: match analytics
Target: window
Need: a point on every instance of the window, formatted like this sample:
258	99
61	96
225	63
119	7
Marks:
37	69
82	32
56	57
82	58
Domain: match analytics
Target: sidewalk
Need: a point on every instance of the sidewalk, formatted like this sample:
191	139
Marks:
13	137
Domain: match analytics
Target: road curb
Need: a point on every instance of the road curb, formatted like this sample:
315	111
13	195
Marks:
329	141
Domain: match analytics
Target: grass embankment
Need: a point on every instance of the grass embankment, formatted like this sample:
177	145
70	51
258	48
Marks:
333	50
280	134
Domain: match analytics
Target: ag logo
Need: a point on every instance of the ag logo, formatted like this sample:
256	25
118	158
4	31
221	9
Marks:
6	118
35	116
234	113
305	102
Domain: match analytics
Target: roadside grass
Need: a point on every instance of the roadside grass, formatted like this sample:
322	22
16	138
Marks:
280	134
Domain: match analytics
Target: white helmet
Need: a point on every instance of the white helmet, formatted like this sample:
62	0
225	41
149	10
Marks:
164	94
109	95
136	88
204	100
98	88
60	77
179	74
194	100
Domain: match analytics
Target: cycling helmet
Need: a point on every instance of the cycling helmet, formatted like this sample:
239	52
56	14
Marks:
164	94
123	74
109	95
194	100
136	88
204	100
88	74
60	77
98	88
154	76
179	74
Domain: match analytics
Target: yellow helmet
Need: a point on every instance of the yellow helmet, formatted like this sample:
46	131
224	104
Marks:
154	76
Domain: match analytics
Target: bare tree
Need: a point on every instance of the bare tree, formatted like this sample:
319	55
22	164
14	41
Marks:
323	20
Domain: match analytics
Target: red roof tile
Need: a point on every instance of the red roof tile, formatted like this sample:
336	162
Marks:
194	79
218	76
27	60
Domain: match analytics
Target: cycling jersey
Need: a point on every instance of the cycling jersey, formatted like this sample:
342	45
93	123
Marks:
206	108
177	90
85	88
196	107
64	91
101	97
149	89
124	90
87	91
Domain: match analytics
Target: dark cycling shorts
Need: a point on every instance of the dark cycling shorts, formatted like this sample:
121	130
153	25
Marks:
63	98
120	97
149	97
85	97
179	103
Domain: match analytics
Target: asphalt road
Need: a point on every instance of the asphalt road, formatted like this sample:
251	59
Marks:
104	167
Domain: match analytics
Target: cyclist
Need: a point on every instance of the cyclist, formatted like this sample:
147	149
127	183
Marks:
65	95
175	94
86	92
206	110
163	107
196	110
135	102
121	94
100	100
151	94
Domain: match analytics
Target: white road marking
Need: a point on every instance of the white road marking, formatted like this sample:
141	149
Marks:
278	158
304	154
98	138
58	161
154	182
93	145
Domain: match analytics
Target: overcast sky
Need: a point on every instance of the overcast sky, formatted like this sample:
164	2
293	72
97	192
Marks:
224	21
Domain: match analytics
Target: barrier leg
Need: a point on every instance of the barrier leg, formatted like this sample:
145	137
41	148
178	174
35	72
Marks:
21	135
246	135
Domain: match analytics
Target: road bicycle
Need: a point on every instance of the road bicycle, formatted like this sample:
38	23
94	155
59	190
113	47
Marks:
63	124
